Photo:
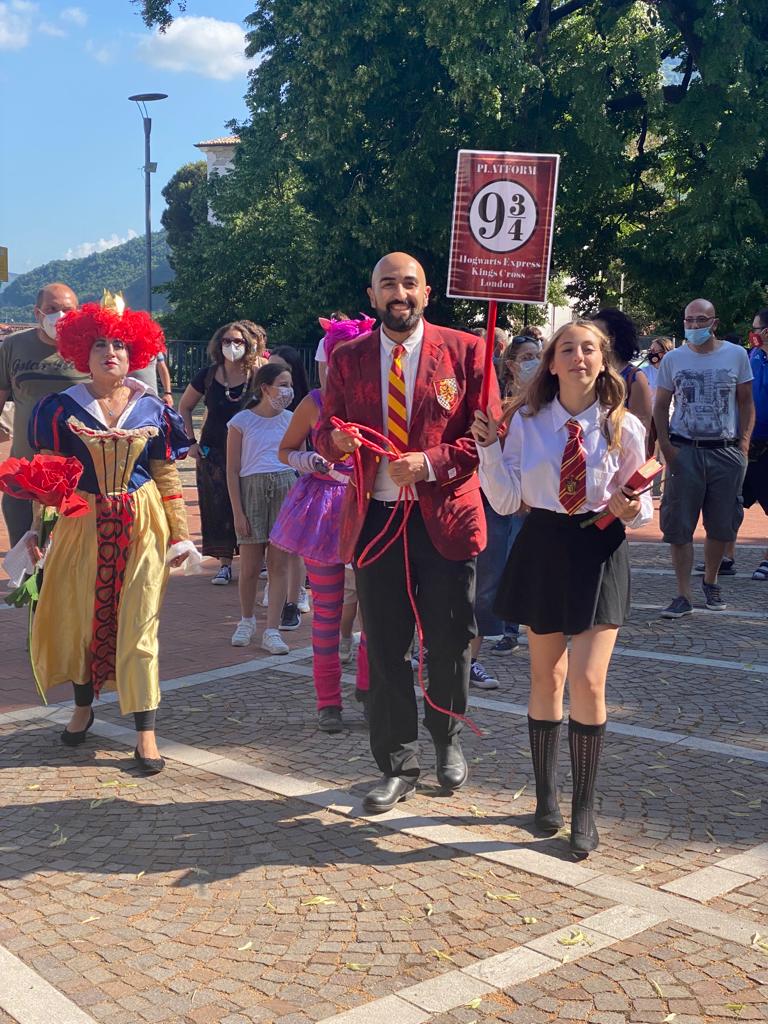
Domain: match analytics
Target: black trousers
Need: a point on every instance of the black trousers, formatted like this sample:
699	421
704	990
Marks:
445	597
18	518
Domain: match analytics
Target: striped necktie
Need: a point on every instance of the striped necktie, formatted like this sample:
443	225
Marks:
397	415
573	470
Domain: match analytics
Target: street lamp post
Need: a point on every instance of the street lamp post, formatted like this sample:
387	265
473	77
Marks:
141	100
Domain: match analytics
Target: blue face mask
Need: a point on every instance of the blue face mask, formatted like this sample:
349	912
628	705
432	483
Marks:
698	335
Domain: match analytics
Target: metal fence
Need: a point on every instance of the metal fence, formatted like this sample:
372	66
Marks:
186	358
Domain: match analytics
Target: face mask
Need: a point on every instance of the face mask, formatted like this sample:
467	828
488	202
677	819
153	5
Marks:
282	399
49	324
527	370
698	335
233	352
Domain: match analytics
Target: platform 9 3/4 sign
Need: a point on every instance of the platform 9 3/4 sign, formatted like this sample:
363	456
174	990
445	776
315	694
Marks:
503	214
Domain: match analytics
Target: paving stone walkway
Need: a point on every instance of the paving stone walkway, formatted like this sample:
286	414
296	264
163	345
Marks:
244	884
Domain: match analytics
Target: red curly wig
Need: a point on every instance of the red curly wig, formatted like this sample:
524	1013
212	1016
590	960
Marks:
79	329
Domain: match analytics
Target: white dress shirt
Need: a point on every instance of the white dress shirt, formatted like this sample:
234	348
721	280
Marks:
384	489
528	469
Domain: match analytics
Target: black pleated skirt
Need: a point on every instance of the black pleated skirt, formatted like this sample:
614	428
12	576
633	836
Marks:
562	578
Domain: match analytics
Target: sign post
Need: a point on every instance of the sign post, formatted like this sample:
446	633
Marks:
3	263
501	238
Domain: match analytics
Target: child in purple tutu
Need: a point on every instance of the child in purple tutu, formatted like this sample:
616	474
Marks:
308	525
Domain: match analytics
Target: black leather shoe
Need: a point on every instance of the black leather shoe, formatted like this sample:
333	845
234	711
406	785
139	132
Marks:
387	793
149	765
584	835
74	739
452	769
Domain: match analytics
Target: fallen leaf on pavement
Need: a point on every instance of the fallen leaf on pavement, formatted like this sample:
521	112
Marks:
248	945
357	967
442	956
318	901
530	920
656	988
473	1005
503	897
575	938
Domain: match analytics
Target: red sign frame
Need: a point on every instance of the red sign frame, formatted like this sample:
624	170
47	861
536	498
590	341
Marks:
503	220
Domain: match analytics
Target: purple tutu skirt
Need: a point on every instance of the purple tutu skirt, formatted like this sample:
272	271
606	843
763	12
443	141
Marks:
308	522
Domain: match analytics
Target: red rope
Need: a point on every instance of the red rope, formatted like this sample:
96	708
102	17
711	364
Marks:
381	445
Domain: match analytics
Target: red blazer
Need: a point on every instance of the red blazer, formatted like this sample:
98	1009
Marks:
446	394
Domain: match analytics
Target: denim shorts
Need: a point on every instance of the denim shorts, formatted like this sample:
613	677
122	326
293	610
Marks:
706	482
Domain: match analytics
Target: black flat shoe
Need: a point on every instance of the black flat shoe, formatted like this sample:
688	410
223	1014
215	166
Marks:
452	768
74	739
387	793
149	765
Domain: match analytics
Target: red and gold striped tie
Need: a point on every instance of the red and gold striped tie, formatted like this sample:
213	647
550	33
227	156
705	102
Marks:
573	470
397	415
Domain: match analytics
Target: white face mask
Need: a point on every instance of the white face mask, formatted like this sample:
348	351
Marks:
282	399
527	370
233	352
49	324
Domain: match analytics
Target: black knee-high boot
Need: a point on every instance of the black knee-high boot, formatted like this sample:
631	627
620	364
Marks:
586	744
545	740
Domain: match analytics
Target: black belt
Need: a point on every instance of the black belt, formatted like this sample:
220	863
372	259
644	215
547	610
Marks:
386	504
726	442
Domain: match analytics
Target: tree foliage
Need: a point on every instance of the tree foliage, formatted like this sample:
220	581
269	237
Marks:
357	108
186	203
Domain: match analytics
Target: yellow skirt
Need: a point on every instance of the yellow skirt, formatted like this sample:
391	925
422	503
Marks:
62	628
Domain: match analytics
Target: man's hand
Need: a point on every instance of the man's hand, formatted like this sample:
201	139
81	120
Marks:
345	442
33	550
670	454
744	448
195	453
5	435
409	469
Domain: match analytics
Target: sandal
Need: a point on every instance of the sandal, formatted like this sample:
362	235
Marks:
761	572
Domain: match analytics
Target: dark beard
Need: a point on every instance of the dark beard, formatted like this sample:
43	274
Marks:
400	323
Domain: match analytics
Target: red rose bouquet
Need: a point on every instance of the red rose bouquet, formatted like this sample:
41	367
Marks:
48	479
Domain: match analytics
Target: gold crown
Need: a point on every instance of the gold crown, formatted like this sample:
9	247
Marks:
113	301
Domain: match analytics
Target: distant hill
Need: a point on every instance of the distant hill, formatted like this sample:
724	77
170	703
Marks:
120	268
4	284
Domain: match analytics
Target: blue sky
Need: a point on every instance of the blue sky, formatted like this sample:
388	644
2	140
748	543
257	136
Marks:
72	144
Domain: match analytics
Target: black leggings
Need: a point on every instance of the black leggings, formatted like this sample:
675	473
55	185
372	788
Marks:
144	721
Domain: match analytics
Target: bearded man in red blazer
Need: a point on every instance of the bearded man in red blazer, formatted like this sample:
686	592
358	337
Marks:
439	373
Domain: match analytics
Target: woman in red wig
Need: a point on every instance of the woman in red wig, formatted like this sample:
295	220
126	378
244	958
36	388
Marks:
97	619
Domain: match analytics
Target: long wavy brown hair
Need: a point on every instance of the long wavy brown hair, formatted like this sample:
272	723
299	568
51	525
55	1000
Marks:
545	386
252	358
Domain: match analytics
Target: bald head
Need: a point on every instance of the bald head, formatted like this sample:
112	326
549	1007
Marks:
399	293
700	322
52	299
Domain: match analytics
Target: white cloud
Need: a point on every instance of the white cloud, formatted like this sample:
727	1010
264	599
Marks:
103	54
74	15
16	23
51	30
89	248
203	46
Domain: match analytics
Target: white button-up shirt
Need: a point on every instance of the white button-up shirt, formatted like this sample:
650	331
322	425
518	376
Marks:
384	489
528	469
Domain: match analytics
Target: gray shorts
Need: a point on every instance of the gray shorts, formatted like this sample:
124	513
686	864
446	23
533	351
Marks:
704	481
262	495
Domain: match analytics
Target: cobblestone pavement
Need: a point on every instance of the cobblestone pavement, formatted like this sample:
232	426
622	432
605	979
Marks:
243	884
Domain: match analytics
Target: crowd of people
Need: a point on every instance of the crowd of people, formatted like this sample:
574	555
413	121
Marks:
393	494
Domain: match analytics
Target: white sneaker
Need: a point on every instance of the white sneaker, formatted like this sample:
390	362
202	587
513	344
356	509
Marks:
243	633
272	641
303	603
345	649
265	597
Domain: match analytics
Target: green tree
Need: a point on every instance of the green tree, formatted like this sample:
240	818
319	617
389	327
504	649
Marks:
186	203
659	110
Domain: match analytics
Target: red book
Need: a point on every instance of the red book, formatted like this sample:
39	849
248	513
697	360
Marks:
640	481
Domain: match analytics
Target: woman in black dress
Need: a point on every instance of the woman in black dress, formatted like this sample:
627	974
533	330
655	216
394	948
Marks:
225	387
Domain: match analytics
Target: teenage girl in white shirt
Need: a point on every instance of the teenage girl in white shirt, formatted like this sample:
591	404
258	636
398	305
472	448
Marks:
565	577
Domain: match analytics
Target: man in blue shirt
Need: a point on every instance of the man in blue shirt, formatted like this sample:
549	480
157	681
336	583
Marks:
756	480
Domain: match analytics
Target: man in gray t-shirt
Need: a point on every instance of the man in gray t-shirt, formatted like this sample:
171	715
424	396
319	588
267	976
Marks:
705	447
